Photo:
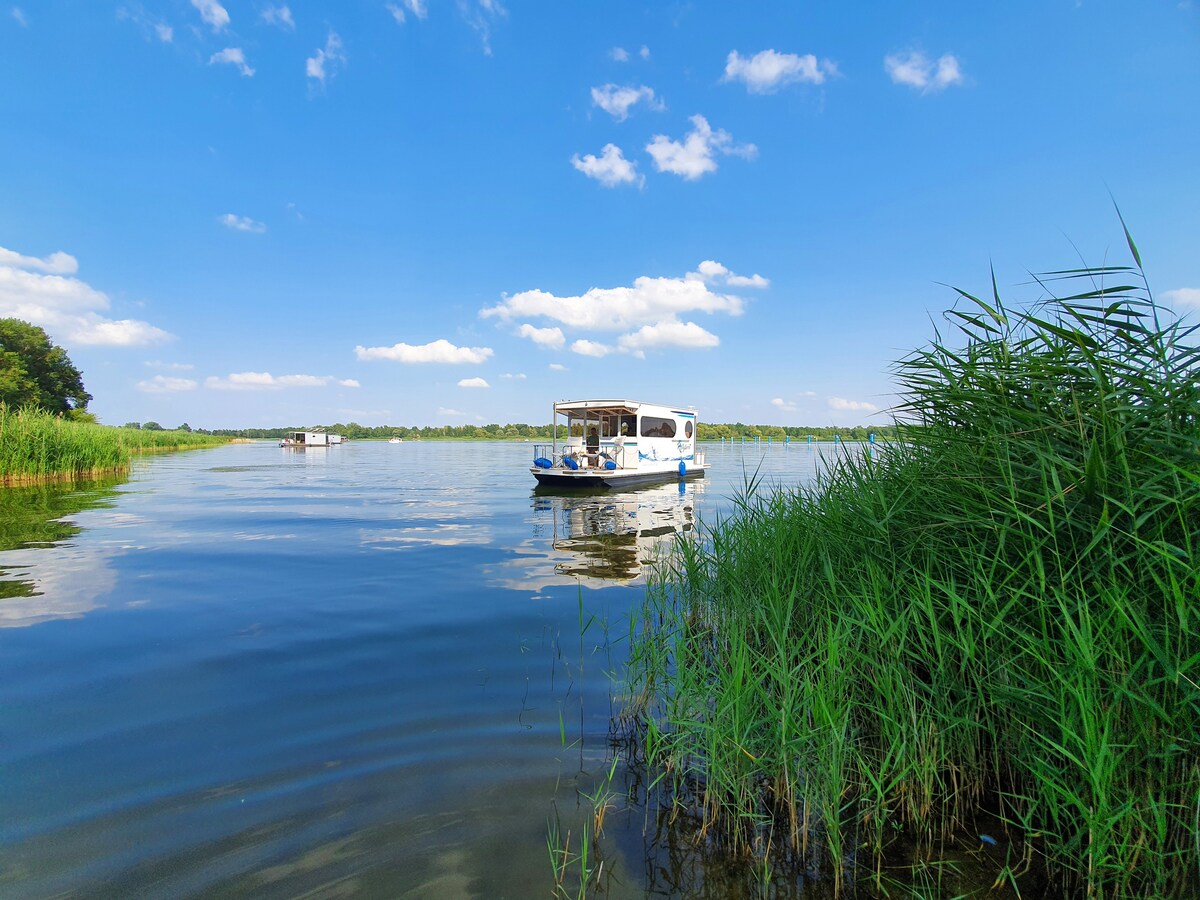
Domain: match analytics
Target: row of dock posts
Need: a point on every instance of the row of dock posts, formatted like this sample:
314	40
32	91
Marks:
787	439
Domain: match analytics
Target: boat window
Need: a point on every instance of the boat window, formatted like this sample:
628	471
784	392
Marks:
687	428
653	426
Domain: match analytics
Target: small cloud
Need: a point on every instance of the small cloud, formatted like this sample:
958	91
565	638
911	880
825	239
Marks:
265	381
326	62
767	71
619	54
161	384
694	156
232	56
150	27
280	16
611	168
644	53
19	17
783	405
617	100
213	14
439	351
1189	297
517	376
916	70
481	16
55	264
473	383
416	7
543	337
852	405
171	367
686	335
242	223
455	413
556	367
590	348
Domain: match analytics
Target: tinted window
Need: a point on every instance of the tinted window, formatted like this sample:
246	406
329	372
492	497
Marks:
687	428
652	426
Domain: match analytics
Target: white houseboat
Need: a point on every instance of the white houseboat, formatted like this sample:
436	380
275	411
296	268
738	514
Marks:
301	440
614	443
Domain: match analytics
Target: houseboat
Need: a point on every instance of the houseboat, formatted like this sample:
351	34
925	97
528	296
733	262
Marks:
615	443
301	440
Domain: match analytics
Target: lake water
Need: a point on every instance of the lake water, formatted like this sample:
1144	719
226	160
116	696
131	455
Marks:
372	670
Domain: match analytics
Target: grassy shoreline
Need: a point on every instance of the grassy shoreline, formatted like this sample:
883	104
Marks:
37	447
997	620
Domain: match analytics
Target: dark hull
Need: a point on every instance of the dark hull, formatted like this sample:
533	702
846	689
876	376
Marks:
606	479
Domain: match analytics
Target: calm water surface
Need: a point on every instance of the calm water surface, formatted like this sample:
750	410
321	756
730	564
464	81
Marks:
353	671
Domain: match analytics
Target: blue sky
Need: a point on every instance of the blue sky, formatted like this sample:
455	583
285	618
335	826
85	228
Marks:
258	213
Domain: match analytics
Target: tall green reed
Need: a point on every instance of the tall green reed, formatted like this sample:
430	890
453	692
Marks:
38	446
997	615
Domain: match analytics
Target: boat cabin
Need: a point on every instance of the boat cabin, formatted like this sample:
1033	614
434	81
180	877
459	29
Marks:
606	443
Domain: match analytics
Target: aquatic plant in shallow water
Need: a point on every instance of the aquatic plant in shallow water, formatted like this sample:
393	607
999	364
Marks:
996	616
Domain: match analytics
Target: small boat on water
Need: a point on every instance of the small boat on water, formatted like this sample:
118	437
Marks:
395	440
615	443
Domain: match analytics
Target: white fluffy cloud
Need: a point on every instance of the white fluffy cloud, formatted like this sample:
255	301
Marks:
611	168
916	70
279	15
241	223
37	291
162	384
767	71
783	405
265	381
686	335
213	14
617	100
326	61
543	337
648	312
1183	297
232	56
473	383
585	347
852	405
694	156
439	351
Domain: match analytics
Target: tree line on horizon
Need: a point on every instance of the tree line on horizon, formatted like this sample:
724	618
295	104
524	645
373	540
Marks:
521	431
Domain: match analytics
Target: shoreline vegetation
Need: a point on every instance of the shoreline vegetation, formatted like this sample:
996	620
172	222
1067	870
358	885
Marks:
521	432
972	658
38	447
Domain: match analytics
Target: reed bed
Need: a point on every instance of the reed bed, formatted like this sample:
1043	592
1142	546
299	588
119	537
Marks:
38	446
995	620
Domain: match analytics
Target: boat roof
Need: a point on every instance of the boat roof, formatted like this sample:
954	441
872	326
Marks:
611	406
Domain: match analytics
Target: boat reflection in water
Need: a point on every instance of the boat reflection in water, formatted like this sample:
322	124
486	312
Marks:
614	536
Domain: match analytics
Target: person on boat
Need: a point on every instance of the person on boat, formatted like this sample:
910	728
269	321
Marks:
593	447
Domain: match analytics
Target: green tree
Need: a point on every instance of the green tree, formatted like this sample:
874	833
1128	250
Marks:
34	372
